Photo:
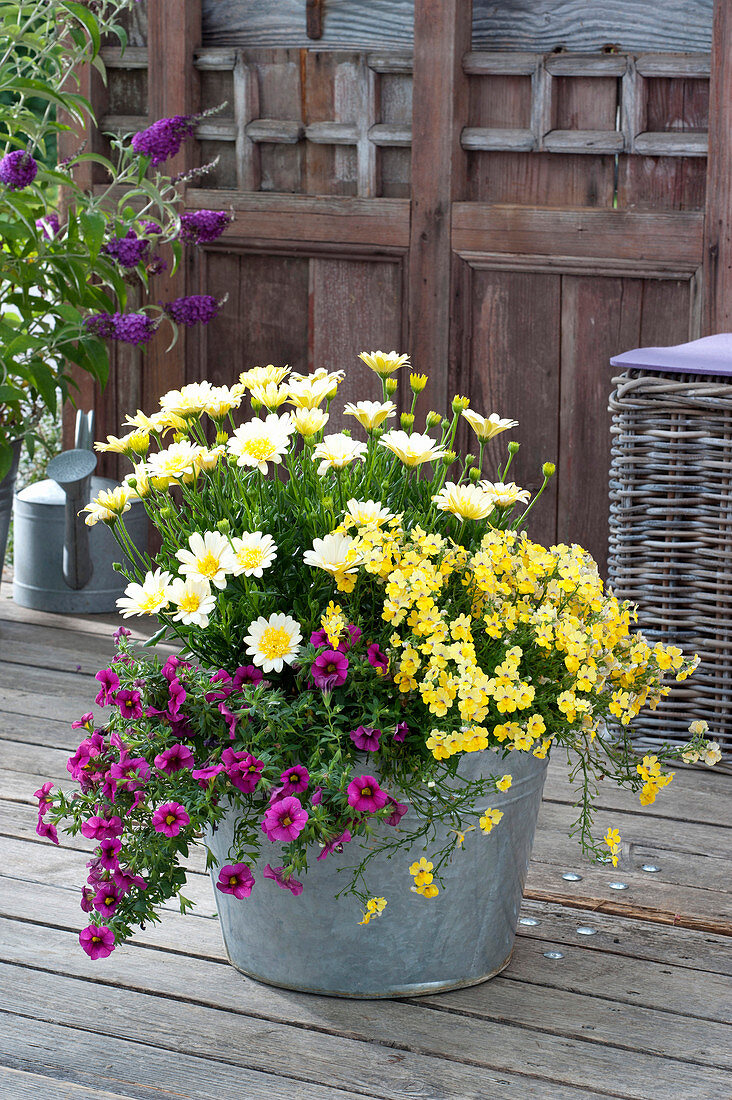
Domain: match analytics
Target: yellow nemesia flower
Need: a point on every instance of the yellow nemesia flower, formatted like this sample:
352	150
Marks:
374	908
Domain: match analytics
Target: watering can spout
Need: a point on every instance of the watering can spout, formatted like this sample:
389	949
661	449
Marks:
72	470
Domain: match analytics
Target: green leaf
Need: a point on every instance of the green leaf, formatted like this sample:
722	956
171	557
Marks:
6	459
87	18
45	381
10	393
93	227
98	355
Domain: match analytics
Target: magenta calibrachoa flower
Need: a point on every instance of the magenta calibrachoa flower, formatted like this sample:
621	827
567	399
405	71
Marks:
170	819
243	769
97	827
336	844
329	669
174	759
286	882
236	879
17	170
377	659
285	819
109	680
106	899
97	940
365	738
203	226
128	702
365	794
295	780
397	813
401	731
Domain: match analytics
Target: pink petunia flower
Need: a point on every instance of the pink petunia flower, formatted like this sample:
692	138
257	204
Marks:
109	680
377	658
243	769
335	845
329	669
288	883
365	794
285	819
295	780
236	879
366	738
397	813
174	759
97	940
170	818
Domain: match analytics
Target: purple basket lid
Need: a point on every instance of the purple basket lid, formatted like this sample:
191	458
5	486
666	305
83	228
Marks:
710	355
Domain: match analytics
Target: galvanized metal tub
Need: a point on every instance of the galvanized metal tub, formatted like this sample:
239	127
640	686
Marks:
313	943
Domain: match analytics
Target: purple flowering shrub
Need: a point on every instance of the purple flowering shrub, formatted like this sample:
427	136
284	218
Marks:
65	281
180	745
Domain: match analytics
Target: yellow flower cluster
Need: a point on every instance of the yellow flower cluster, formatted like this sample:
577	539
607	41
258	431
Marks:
612	839
512	643
650	772
333	623
421	872
489	819
374	908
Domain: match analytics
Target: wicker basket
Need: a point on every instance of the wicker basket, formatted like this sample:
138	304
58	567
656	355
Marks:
671	536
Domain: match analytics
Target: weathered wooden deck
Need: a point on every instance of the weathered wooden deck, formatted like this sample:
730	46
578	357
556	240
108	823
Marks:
641	1009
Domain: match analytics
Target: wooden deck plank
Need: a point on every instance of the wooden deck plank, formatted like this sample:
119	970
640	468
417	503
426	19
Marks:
74	1057
562	1013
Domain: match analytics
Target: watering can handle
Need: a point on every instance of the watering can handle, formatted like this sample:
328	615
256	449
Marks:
84	431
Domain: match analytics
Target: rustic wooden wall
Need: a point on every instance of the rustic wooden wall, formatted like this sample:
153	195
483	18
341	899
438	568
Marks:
511	215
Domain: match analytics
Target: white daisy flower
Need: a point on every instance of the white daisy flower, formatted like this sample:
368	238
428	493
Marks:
335	554
367	512
485	427
176	461
220	400
148	598
259	442
210	557
412	449
269	395
307	391
106	507
194	601
337	451
466	501
273	642
253	552
383	362
505	495
371	414
263	376
309	421
190	400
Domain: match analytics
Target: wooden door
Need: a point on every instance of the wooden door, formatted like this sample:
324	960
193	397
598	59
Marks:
512	195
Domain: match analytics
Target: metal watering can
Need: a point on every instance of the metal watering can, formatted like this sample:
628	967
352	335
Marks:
61	564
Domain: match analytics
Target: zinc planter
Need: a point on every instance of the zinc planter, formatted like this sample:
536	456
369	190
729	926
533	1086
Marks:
313	943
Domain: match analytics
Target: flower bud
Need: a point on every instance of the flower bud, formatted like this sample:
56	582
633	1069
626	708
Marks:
167	513
417	382
407	421
221	437
548	469
131	481
391	386
459	404
223	526
433	419
469	460
474	475
179	437
256	405
448	458
513	447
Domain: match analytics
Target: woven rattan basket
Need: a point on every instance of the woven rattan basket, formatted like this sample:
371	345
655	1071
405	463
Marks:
671	535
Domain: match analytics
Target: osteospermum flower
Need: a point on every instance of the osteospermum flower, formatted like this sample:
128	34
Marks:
383	362
337	451
466	501
307	391
371	414
335	553
261	376
209	557
108	506
309	422
412	449
485	427
269	395
505	495
134	443
175	462
273	642
254	552
220	400
190	400
366	512
148	598
193	599
259	442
